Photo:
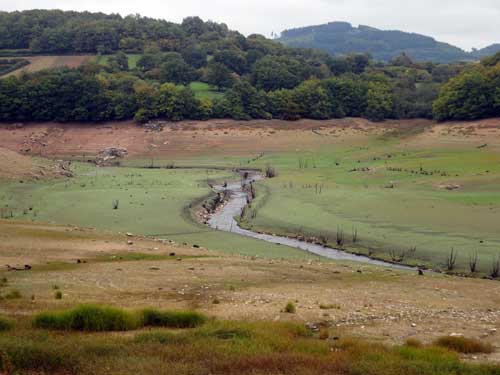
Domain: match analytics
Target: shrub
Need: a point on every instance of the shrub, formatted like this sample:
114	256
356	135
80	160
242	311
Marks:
13	294
290	308
271	172
172	319
463	345
58	295
88	318
5	324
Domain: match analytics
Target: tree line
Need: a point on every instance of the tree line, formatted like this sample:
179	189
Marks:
81	95
259	78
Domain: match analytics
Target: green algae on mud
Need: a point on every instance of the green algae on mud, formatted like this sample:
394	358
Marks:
151	202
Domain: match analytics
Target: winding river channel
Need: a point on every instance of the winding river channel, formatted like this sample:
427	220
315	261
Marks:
224	220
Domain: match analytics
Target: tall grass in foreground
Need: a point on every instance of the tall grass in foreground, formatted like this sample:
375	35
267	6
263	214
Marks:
92	318
178	319
464	345
5	324
88	318
222	347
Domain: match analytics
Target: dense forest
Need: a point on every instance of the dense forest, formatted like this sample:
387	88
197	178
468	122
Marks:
255	77
341	38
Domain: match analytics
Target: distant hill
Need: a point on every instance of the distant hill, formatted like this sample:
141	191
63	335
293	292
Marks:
487	51
340	38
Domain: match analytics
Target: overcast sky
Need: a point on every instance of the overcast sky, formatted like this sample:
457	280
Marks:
465	23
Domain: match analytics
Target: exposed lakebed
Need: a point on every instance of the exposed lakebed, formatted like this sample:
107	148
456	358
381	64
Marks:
224	220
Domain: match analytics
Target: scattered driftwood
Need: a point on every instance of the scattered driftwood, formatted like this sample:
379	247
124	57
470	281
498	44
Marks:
64	168
110	155
26	267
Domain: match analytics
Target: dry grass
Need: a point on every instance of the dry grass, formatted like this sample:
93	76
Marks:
464	345
222	347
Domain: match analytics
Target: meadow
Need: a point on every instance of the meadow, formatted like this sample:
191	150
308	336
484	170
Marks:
152	202
205	91
132	59
386	199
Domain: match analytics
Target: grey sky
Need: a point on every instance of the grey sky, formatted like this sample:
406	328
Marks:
465	23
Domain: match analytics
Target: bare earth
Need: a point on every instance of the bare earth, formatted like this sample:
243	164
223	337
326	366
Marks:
50	62
381	304
194	138
378	303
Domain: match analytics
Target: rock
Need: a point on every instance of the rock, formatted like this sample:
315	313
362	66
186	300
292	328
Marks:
129	234
154	126
313	327
154	268
64	168
130	242
109	155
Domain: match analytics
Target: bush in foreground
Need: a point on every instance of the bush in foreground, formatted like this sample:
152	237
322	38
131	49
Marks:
172	319
5	324
88	318
92	318
290	308
463	345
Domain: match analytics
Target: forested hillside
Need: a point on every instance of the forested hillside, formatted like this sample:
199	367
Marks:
145	69
341	38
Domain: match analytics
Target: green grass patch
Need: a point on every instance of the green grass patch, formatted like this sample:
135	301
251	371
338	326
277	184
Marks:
6	324
88	318
133	58
153	202
205	91
93	318
290	308
172	319
317	193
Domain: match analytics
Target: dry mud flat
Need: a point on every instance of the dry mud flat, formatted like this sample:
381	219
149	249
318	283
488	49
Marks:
220	137
367	301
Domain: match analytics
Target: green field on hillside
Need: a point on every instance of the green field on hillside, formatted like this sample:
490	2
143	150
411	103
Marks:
132	59
205	91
